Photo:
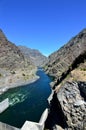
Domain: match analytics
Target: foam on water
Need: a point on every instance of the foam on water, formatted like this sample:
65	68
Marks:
27	102
17	98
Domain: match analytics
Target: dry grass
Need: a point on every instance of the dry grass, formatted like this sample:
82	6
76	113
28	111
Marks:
78	74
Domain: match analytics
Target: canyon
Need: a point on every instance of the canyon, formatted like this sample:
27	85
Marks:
67	68
15	68
36	57
68	102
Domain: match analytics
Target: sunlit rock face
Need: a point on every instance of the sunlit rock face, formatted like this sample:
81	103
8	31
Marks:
67	57
36	57
73	105
14	67
68	66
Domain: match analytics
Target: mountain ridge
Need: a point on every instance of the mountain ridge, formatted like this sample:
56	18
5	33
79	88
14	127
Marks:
66	55
37	58
68	98
15	69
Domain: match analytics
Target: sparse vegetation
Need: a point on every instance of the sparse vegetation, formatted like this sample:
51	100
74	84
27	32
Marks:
23	74
12	72
0	75
83	69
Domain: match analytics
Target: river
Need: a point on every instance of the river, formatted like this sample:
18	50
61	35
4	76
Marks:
27	102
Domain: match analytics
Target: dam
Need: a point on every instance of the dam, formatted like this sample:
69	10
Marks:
4	105
27	103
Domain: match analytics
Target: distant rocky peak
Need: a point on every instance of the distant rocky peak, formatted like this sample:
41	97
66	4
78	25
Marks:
1	30
83	31
37	58
2	36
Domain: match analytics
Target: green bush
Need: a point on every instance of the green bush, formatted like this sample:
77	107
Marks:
12	72
23	74
83	69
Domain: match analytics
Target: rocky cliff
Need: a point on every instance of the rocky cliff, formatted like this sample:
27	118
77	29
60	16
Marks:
14	67
10	55
36	57
67	57
68	103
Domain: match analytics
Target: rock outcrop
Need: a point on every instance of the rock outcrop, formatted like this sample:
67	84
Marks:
35	56
73	105
68	103
10	55
15	69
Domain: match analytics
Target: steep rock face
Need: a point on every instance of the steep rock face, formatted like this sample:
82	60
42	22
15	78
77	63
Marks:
10	55
73	105
36	57
65	59
68	66
15	69
82	86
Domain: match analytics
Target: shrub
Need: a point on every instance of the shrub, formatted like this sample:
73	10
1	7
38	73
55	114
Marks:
83	69
12	72
23	74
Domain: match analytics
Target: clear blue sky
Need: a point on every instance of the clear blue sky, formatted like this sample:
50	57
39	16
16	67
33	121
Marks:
42	24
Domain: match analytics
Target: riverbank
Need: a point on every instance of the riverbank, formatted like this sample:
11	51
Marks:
27	101
18	83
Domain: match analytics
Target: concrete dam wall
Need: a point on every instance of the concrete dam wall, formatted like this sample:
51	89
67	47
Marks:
28	125
4	105
4	126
